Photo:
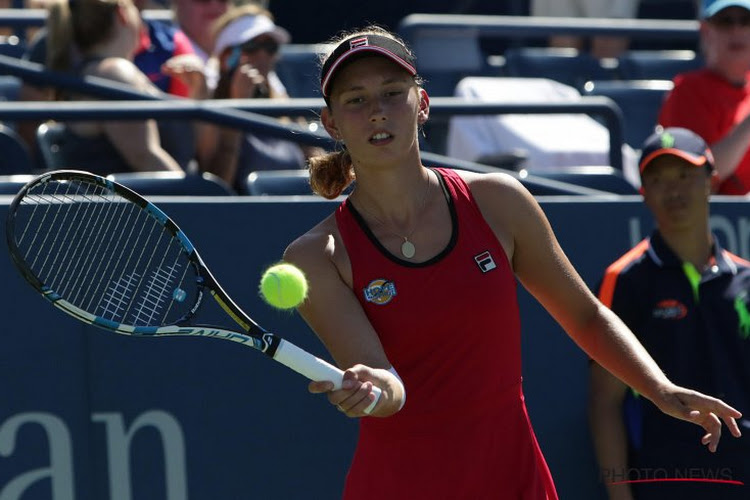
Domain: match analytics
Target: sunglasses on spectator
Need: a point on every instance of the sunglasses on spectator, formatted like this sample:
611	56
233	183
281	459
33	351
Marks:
727	21
269	45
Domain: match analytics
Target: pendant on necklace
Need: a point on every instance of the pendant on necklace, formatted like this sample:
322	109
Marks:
407	249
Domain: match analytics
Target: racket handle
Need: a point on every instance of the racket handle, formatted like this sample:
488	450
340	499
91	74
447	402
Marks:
314	368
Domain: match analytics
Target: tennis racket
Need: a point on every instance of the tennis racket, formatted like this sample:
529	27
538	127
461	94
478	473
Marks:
108	257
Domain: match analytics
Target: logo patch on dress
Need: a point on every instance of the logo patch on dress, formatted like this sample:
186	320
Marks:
485	261
380	291
670	309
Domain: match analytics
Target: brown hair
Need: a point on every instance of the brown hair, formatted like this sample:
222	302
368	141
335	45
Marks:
84	23
332	173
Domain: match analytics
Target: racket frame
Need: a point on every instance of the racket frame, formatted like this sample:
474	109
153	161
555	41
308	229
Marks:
253	334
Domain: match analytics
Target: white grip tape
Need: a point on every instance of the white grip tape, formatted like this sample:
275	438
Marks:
314	368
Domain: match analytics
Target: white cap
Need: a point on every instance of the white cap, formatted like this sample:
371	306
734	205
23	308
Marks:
245	28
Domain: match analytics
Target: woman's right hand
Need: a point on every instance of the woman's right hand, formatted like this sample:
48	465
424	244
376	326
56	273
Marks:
248	83
356	394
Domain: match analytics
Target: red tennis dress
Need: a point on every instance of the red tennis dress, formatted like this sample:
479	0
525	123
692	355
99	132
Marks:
451	328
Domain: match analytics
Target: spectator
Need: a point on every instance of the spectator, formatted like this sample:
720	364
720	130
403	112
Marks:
686	299
601	46
159	43
246	48
105	36
195	18
714	101
413	289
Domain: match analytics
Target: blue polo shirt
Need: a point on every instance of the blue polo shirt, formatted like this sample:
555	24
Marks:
696	325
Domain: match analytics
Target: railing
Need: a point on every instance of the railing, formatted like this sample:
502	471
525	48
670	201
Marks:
31	18
519	27
255	115
252	114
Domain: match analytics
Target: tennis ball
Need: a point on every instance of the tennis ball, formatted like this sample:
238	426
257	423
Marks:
283	286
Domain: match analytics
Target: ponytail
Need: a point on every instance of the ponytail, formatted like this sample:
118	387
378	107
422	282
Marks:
59	36
331	173
75	26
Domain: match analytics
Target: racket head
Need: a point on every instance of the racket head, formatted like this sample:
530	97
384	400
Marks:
104	254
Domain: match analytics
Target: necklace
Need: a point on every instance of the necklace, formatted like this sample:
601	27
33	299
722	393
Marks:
408	249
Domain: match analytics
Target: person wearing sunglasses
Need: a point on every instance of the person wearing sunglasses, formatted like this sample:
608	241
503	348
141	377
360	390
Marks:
246	49
714	101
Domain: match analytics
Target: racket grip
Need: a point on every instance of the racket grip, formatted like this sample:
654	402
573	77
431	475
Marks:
314	368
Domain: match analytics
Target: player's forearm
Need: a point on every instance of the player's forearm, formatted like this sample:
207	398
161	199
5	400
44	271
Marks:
611	344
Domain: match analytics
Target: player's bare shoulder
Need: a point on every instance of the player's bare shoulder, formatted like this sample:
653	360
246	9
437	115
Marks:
493	189
319	246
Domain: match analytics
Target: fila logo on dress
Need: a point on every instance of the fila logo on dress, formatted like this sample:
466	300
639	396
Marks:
485	262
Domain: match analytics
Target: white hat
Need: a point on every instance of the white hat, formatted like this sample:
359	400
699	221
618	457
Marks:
245	28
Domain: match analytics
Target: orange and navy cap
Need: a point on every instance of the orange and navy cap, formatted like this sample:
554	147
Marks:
679	142
369	44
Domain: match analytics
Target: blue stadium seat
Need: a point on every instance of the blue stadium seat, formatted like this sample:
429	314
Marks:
15	157
12	46
639	100
603	178
12	184
446	56
50	138
299	69
279	183
10	86
173	184
568	66
657	64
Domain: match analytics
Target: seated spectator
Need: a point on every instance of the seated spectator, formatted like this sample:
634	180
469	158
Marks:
600	46
246	49
714	101
161	54
105	35
195	18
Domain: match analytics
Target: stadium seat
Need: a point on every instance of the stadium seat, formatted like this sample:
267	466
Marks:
279	183
12	46
299	70
50	138
657	64
12	184
446	56
639	100
10	86
15	157
173	184
603	178
565	65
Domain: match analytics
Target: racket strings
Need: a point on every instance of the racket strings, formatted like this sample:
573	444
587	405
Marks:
105	254
103	270
79	258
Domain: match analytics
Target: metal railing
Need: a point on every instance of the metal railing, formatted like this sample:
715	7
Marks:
520	27
256	115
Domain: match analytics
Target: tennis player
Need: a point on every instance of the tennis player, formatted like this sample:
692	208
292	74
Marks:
413	290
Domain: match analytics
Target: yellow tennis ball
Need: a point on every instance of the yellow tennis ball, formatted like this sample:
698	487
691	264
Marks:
283	286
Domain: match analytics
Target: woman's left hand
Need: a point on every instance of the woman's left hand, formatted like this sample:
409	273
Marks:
706	411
